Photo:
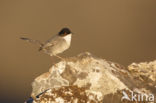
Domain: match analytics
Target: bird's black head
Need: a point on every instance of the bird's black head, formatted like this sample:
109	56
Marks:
64	32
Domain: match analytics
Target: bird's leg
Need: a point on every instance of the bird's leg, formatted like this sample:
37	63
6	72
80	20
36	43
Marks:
60	57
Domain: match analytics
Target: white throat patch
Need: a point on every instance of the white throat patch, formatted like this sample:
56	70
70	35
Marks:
68	38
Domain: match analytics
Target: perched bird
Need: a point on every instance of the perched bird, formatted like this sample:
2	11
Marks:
55	45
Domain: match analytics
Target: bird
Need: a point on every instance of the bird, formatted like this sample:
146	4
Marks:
56	44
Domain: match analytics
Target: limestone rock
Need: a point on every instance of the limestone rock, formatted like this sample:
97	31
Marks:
89	79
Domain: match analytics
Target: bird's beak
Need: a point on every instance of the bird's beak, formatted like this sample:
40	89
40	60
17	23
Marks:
73	33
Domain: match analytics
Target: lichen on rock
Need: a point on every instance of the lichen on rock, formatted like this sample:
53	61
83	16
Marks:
89	79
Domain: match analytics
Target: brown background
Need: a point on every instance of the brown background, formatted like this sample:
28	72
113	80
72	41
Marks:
123	31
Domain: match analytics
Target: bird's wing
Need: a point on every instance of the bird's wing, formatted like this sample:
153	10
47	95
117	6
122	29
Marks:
51	42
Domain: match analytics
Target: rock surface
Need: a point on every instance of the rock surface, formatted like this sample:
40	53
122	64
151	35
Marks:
89	79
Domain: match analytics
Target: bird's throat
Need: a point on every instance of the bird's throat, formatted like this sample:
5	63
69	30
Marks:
68	38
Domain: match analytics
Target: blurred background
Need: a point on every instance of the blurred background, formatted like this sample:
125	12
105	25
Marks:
123	31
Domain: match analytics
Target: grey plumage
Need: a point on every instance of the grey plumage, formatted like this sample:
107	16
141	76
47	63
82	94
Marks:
32	41
55	45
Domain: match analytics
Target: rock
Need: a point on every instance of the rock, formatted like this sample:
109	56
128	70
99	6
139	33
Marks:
144	72
89	79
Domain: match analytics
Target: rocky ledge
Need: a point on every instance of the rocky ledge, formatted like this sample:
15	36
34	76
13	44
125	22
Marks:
89	79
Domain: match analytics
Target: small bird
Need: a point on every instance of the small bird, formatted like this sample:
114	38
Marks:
55	45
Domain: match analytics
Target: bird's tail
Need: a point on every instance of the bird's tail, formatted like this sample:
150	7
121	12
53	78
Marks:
32	41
